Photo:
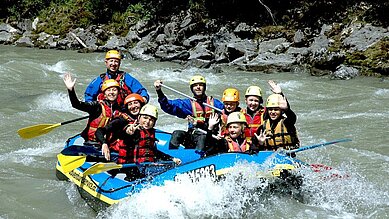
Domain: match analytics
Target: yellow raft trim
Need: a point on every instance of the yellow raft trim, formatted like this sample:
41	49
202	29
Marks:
87	184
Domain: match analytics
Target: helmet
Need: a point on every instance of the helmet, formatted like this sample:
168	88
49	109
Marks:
253	91
149	110
230	94
236	117
109	83
133	97
113	54
197	79
273	100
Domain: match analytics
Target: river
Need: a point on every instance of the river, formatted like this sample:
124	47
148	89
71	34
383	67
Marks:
33	93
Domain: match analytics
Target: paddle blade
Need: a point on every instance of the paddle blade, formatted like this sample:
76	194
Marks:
36	130
69	163
101	167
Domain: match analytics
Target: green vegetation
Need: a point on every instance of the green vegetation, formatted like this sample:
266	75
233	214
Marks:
61	15
373	60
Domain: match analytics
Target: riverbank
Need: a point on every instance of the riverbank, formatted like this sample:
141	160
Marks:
342	50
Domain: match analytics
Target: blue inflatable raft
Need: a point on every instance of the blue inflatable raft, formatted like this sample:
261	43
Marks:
100	189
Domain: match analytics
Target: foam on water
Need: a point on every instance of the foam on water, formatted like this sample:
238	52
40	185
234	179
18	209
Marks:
56	101
205	199
59	67
382	92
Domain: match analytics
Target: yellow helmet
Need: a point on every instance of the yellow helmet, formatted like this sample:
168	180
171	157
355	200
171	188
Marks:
197	79
149	110
273	100
237	117
253	91
109	83
230	95
113	54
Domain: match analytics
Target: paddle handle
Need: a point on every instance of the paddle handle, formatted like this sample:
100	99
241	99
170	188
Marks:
192	98
74	120
317	145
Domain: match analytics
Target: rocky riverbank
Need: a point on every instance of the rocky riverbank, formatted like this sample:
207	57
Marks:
342	51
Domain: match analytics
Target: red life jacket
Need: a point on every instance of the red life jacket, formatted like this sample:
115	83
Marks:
223	119
142	151
233	146
201	115
253	122
115	144
124	89
101	121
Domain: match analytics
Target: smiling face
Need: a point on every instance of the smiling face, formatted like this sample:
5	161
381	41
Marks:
134	107
198	89
111	93
274	112
112	64
230	106
252	103
235	130
146	121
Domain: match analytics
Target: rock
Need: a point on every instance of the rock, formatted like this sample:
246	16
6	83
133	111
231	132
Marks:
24	41
25	25
344	73
171	52
269	61
246	48
275	46
365	37
201	51
194	40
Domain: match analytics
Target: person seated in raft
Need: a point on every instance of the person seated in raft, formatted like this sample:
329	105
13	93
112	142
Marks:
254	111
139	143
194	111
230	100
129	115
278	129
100	112
234	141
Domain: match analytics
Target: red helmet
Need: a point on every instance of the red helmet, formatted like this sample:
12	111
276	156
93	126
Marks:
133	97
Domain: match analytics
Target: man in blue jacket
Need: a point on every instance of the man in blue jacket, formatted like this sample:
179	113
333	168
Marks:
194	111
128	84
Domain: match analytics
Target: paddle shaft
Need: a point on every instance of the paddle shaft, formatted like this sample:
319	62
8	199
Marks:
192	98
317	145
74	120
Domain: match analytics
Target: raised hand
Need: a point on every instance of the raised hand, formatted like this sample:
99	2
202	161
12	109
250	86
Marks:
213	120
275	88
131	128
69	83
261	137
157	84
283	103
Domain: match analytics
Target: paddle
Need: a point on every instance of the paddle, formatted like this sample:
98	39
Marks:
316	145
41	129
69	163
192	98
103	167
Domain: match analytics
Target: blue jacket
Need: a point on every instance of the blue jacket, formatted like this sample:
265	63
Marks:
94	88
180	107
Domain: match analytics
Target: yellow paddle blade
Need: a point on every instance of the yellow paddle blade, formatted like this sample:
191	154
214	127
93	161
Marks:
101	167
69	163
36	130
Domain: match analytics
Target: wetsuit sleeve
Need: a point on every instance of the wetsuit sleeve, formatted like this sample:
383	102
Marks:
93	90
178	107
116	125
93	108
136	86
218	104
